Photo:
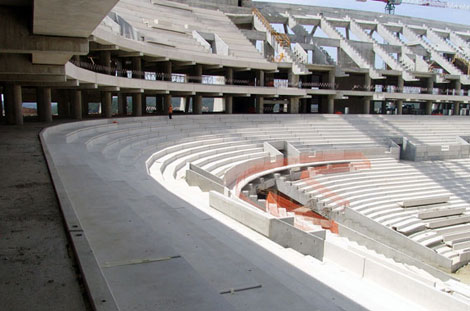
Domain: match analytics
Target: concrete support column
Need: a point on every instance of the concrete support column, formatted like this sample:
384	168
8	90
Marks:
84	104
166	103
14	104
137	68
76	96
331	104
144	104
106	104
187	103
430	85
122	104
229	76
259	104
456	111
294	105
105	61
429	107
197	73
197	105
366	105
399	104
63	107
367	83
331	79
458	89
43	96
401	84
228	104
260	78
137	104
167	70
293	79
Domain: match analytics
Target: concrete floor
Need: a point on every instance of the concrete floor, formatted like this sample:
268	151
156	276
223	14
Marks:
37	271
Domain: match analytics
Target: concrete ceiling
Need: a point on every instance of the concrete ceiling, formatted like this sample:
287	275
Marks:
69	18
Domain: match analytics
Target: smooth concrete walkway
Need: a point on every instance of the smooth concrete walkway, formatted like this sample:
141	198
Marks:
36	268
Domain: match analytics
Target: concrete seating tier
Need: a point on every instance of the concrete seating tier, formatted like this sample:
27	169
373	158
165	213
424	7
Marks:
161	22
217	143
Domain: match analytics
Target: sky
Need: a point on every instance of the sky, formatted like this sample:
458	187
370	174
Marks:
447	15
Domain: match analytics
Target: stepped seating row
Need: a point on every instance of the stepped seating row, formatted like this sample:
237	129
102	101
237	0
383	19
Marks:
161	23
377	193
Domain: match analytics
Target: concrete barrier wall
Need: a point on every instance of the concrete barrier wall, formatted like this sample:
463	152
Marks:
418	152
289	236
193	178
275	229
249	216
205	173
399	242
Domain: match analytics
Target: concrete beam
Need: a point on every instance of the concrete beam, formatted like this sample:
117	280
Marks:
68	17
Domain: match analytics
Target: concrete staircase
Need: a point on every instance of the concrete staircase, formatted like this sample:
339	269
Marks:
461	43
436	56
405	60
280	45
379	50
331	31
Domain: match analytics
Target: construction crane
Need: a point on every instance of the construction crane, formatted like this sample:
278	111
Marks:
390	4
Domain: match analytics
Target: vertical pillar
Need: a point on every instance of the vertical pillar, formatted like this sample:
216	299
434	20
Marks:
43	96
229	76
260	77
293	79
331	104
367	83
63	108
430	85
167	70
197	105
187	103
294	105
456	111
122	104
166	103
84	104
137	69
331	79
366	105
106	104
105	61
76	104
259	104
399	104
401	84
228	104
144	104
429	107
197	73
14	104
137	104
458	89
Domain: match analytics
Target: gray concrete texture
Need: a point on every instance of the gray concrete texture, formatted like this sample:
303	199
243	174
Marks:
37	271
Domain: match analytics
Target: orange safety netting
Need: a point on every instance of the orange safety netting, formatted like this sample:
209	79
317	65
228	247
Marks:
274	201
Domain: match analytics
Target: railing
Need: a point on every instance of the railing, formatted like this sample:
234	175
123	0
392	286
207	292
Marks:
278	83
